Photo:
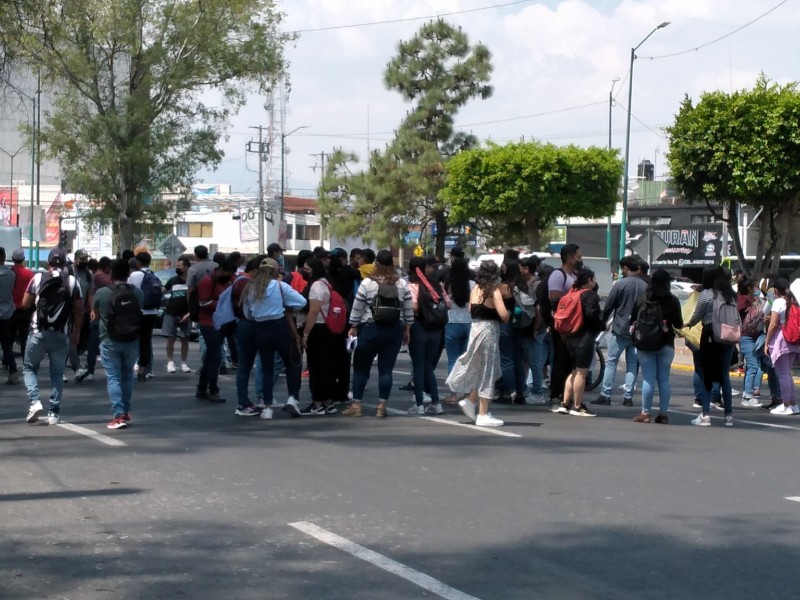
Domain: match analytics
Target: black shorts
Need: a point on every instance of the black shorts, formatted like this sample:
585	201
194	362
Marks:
581	349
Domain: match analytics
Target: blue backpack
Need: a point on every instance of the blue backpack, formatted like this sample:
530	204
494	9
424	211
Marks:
152	290
223	316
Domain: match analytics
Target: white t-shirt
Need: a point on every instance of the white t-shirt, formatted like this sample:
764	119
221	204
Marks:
319	291
779	308
136	279
560	281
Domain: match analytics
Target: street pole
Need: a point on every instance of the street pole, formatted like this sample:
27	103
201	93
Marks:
260	153
623	230
33	186
608	220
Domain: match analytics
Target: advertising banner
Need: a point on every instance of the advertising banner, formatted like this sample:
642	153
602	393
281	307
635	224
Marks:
689	247
8	207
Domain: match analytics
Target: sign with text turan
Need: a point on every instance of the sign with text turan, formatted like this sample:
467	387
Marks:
699	246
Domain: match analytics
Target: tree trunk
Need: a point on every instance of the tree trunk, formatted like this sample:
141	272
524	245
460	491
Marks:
763	229
533	227
733	231
441	233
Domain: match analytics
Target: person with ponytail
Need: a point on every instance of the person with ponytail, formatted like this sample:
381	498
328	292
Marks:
782	352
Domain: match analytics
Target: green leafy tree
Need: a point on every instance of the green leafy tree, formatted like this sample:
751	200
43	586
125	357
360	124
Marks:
129	119
528	186
438	71
743	148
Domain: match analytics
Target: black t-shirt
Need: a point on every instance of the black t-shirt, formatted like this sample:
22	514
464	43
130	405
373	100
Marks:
178	302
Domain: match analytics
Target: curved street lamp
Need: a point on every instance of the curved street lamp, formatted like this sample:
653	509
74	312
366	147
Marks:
623	232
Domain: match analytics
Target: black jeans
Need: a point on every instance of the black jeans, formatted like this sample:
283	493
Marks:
320	353
425	349
146	326
20	327
7	344
562	366
209	370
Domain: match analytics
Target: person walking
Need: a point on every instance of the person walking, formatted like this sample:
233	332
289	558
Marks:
381	320
85	278
512	383
715	357
55	298
580	344
458	285
654	338
751	311
7	282
147	281
118	309
21	320
621	299
209	290
782	351
477	369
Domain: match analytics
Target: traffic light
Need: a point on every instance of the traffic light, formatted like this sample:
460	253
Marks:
62	239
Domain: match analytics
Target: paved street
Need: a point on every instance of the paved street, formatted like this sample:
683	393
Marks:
198	503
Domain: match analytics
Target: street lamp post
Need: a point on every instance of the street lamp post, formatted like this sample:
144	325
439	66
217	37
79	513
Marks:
283	169
11	157
623	231
610	106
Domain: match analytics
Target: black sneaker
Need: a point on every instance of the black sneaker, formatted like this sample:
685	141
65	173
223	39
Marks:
223	370
581	411
601	400
626	402
330	409
201	395
562	409
215	398
718	405
311	410
247	411
409	387
503	399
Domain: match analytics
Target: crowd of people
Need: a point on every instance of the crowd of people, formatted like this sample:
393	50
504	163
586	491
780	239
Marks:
509	330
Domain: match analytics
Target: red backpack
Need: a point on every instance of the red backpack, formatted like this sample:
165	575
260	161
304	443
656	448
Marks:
791	328
568	318
336	319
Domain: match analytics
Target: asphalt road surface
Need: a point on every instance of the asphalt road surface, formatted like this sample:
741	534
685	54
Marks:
193	502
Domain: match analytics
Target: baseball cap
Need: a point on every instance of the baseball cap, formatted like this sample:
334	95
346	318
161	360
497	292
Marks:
274	247
57	257
271	263
81	253
339	253
18	254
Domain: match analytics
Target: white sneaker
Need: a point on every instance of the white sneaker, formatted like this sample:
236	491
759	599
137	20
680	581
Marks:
729	421
795	409
751	403
171	367
783	410
746	396
148	376
266	414
185	368
468	408
434	409
416	411
53	419
34	411
537	399
426	398
735	392
702	421
80	374
488	420
136	368
64	378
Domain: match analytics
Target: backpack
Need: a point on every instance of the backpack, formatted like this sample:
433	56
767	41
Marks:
224	318
524	311
336	319
53	302
568	317
152	290
431	315
648	328
753	323
298	283
543	299
725	321
791	328
387	307
124	314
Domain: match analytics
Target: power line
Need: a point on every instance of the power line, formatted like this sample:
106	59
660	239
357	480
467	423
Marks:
390	21
727	35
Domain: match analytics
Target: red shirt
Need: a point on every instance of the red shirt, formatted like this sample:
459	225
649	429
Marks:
24	276
208	292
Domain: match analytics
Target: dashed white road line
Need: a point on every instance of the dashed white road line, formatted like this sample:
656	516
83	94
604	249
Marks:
426	582
492	430
793	498
737	420
103	439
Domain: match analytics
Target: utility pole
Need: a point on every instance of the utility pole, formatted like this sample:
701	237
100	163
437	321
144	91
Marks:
322	156
261	151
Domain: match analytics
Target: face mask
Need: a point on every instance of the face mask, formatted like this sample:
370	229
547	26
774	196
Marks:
82	265
758	293
578	265
223	278
179	271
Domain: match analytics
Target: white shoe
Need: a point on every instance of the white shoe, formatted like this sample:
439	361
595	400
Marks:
426	398
735	392
292	406
434	409
783	410
171	367
702	421
34	411
537	399
729	421
468	408
53	419
64	378
136	368
488	420
795	409
266	414
746	396
80	374
185	368
416	411
751	403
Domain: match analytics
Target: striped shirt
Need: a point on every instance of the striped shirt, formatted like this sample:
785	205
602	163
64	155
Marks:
366	293
704	310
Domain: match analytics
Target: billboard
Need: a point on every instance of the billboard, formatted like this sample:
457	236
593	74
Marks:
689	247
9	200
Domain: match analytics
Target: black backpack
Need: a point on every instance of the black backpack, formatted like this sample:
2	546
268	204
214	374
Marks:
54	302
431	315
648	329
387	306
152	290
124	314
543	299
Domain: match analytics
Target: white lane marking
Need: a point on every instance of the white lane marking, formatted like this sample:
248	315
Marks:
103	439
793	498
426	582
737	420
402	372
492	430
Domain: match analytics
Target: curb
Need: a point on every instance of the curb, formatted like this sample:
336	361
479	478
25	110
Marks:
734	374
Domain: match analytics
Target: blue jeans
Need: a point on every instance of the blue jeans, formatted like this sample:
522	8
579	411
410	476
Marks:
534	349
656	367
273	337
456	336
56	347
753	374
618	344
765	362
118	359
424	348
383	341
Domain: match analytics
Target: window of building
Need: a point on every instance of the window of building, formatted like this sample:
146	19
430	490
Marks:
651	221
196	230
306	232
289	232
702	219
